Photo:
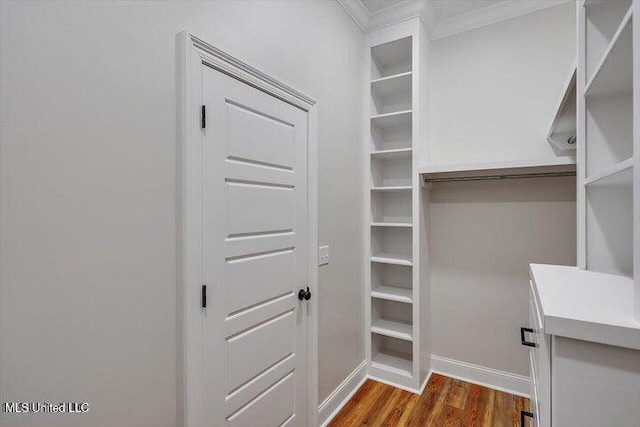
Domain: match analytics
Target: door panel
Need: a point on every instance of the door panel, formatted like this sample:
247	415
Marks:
259	208
275	270
244	125
274	407
255	351
254	167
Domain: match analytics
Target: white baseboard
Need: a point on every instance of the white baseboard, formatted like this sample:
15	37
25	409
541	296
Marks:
401	387
476	374
330	407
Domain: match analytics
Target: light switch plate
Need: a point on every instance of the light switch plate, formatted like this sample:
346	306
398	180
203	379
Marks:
323	255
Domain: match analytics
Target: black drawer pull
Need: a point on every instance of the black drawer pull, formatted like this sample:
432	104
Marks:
524	414
523	339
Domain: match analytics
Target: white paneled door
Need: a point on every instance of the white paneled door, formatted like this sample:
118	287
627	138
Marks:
254	256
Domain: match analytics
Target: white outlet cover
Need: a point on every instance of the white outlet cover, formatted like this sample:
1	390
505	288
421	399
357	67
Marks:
323	255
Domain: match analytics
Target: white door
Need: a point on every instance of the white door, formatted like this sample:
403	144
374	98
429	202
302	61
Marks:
254	168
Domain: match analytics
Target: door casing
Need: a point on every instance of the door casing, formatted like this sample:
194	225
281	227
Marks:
192	54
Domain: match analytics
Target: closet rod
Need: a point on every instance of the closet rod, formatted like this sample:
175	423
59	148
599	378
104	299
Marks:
504	176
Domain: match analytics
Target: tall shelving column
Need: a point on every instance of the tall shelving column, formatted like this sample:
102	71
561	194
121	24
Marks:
608	123
393	258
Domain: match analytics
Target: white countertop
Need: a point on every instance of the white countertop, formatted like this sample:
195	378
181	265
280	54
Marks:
586	305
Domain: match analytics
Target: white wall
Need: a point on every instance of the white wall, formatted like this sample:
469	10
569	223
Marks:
483	236
494	90
88	192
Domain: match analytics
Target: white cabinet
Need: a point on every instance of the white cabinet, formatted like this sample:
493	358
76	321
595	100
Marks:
585	349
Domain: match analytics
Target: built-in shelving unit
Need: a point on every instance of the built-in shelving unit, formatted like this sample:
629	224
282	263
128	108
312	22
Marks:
608	160
393	261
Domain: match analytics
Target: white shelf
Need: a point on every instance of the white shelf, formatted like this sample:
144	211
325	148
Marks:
392	86
564	164
564	124
390	328
614	72
586	305
395	119
392	224
396	78
395	259
396	153
614	175
393	362
392	188
393	293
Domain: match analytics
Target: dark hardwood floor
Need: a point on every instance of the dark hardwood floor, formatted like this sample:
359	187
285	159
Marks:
446	402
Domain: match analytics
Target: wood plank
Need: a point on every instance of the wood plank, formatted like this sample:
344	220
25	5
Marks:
355	405
446	402
428	406
374	410
490	400
474	406
388	407
400	415
457	397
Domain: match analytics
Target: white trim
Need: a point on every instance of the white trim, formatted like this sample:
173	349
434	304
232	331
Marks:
313	327
481	375
191	54
506	9
368	22
393	384
403	387
357	12
330	407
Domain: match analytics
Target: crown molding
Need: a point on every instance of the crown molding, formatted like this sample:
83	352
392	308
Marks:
357	12
393	15
369	22
488	15
436	29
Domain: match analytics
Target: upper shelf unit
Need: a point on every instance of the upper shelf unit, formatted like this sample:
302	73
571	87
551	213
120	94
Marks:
560	166
563	130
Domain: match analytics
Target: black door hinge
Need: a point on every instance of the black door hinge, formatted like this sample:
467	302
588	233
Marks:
204	296
204	117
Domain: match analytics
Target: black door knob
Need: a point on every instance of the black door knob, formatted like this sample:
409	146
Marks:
304	295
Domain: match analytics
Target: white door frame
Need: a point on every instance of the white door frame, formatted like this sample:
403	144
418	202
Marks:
192	53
